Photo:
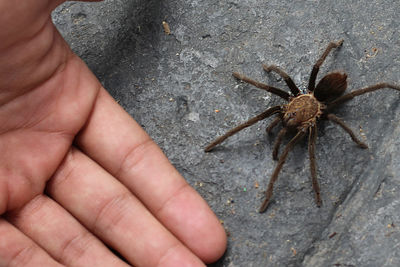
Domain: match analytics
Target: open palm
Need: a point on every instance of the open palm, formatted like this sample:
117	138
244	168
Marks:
76	171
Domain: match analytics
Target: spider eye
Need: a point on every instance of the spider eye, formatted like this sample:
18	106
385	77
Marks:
290	119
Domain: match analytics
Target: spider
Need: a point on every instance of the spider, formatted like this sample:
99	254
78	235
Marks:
302	113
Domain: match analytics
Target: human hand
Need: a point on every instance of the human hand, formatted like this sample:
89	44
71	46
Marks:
76	171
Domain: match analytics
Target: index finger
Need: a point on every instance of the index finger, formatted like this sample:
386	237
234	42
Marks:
115	141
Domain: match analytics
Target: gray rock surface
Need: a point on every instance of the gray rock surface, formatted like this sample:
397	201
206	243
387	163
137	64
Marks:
180	89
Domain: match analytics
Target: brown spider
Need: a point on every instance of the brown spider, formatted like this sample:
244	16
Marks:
302	113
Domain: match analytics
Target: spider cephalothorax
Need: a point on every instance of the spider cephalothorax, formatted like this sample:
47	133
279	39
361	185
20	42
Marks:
301	114
302	111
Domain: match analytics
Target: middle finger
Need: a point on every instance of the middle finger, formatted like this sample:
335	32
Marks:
110	211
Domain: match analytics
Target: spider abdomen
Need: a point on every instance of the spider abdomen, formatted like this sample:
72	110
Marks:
302	110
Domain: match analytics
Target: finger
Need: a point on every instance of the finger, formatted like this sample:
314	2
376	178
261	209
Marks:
119	144
18	250
61	235
112	213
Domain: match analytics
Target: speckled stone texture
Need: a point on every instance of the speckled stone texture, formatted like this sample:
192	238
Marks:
179	87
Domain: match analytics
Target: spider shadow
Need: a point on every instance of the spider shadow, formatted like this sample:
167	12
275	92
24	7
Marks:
254	145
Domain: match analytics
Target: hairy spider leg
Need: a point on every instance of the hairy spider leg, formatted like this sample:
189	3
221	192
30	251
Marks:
240	127
278	142
273	124
342	124
274	177
314	72
358	92
273	90
312	137
292	86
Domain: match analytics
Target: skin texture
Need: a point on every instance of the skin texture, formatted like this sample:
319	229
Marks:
77	172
